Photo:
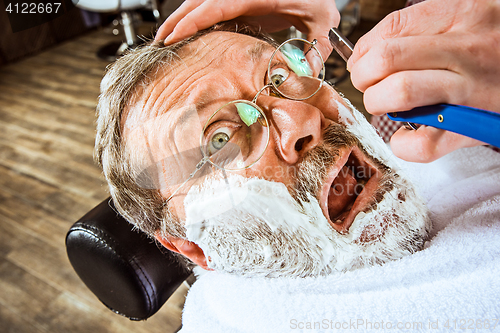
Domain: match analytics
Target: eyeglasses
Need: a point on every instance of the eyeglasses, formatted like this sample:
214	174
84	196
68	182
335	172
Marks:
236	135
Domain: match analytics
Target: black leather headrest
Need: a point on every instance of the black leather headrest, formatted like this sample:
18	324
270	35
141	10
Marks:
125	269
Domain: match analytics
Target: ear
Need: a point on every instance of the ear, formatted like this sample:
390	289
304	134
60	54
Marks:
184	247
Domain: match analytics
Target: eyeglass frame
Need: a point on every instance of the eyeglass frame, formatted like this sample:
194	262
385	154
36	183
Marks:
274	90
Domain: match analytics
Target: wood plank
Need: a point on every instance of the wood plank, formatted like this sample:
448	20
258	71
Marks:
90	319
22	293
10	238
62	172
12	322
77	125
49	221
53	145
56	97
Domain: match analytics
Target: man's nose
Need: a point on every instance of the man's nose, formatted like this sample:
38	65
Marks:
297	127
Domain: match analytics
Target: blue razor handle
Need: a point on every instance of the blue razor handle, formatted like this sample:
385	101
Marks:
478	124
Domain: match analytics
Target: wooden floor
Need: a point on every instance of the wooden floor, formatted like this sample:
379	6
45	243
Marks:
47	181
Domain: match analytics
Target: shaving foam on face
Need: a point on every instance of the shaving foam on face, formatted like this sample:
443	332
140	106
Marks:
269	234
373	144
356	123
258	202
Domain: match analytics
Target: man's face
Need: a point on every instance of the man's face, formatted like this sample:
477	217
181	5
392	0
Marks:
323	188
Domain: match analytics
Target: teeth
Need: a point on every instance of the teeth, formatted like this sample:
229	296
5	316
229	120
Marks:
339	221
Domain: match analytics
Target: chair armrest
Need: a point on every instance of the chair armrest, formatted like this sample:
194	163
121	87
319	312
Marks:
124	268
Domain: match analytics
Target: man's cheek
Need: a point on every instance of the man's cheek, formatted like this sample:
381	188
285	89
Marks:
325	100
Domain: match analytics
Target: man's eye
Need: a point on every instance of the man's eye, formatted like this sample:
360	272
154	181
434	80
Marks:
219	140
278	76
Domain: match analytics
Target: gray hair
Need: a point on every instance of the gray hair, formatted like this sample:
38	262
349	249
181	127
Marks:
140	206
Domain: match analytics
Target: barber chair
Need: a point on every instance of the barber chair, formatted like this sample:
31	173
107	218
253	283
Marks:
127	271
126	9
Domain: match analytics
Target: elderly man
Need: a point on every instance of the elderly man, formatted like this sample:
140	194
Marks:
232	151
285	178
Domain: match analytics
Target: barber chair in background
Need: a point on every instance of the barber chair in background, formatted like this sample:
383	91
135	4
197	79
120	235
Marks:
127	10
125	269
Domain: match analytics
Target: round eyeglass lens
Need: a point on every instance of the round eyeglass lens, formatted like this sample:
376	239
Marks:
296	69
236	136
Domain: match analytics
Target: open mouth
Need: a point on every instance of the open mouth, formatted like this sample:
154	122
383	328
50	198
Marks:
349	188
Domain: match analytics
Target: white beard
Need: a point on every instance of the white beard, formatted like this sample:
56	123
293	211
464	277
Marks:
254	227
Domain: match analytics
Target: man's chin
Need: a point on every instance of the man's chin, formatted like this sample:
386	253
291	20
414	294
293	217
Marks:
389	230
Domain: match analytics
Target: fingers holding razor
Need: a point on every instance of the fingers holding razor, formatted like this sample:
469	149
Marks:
459	41
406	90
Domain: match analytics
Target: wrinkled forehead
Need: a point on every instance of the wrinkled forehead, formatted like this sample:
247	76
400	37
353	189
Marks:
167	88
224	45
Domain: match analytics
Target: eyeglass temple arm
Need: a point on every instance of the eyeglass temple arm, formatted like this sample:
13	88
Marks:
198	167
340	43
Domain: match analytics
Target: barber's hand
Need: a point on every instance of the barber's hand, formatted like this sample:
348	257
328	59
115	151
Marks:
437	51
314	18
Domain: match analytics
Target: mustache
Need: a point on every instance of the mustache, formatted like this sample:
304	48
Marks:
313	170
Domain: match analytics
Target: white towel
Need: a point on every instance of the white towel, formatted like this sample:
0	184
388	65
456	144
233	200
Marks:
452	285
